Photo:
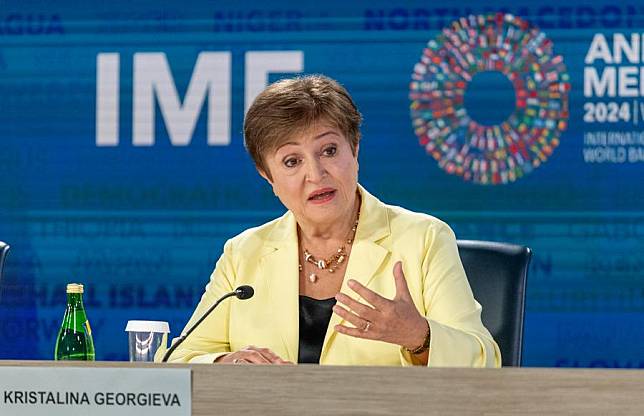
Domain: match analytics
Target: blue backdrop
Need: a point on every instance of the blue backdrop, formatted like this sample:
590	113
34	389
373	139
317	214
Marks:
545	98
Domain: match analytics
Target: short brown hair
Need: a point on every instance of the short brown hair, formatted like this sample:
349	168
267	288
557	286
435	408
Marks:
293	104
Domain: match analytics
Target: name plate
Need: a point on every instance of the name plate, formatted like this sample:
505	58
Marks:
66	391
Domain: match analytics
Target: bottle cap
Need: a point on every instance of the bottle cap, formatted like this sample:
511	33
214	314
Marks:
74	288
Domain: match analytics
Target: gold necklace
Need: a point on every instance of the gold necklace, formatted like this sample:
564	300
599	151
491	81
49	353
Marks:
335	260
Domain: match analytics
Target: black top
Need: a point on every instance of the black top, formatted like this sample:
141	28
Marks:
315	315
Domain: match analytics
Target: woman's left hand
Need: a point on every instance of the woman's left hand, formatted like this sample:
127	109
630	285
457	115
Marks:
396	321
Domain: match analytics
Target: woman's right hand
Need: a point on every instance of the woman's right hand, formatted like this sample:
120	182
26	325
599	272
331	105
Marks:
252	355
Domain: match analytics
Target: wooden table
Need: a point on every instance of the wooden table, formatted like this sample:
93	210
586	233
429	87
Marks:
319	390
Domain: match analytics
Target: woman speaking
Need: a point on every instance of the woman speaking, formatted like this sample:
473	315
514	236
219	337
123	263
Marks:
340	278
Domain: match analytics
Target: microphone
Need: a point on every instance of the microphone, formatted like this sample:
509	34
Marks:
242	292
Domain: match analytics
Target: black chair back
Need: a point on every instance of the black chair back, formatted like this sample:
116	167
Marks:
4	250
497	273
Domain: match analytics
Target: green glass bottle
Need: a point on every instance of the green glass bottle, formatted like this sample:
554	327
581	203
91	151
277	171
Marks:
74	340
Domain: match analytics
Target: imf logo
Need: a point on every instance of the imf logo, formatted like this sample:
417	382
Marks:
489	99
153	84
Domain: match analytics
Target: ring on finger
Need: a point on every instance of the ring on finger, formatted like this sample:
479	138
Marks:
367	326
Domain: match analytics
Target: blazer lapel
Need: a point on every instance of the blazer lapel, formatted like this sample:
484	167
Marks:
370	249
280	263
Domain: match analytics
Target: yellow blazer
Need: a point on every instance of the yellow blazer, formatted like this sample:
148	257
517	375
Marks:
266	257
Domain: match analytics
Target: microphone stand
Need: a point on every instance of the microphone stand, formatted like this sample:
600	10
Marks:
192	328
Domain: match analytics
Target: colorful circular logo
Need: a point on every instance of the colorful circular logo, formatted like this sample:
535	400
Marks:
466	146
